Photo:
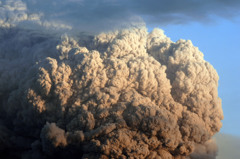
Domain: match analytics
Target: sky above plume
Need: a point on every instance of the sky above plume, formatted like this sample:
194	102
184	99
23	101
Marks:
95	15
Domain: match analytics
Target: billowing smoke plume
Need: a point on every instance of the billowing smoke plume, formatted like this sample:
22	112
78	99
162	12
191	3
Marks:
121	94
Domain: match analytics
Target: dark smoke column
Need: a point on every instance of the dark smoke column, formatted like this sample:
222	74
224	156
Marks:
125	94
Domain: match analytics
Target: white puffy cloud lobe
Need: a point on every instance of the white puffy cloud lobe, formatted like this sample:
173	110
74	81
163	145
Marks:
121	94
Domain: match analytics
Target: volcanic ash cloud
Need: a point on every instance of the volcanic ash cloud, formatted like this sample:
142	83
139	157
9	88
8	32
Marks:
123	94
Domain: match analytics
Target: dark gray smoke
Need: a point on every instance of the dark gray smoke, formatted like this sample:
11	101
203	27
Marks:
121	94
102	15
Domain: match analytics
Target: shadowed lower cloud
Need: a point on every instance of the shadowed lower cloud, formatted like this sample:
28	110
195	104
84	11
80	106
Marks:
228	146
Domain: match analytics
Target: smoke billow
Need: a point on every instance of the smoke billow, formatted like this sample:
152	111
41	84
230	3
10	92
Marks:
121	94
